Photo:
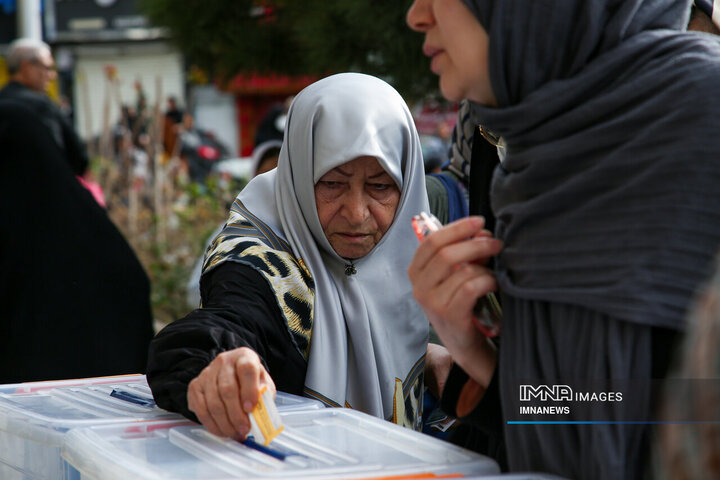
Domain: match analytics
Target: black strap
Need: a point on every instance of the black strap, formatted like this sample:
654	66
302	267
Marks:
483	160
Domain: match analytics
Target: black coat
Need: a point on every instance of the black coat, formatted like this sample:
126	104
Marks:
50	115
74	299
239	310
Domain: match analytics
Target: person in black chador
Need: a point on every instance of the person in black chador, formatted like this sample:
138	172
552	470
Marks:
74	300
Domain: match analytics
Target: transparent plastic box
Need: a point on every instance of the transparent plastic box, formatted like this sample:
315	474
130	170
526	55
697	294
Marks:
34	418
287	402
330	443
519	476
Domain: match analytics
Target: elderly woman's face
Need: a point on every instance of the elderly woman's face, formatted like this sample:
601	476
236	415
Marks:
458	47
356	204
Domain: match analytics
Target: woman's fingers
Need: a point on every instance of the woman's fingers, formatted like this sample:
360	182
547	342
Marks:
248	374
227	390
466	295
453	322
443	292
461	241
449	268
218	388
476	250
230	391
204	400
197	404
455	232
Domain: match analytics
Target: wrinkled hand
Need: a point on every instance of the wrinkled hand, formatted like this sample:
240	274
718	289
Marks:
448	275
227	390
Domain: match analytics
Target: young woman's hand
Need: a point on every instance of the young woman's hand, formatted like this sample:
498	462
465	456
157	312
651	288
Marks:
227	390
448	274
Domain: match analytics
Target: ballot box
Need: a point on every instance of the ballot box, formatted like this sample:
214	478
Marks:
331	443
519	476
34	417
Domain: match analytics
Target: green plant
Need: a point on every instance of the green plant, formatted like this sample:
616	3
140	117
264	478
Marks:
191	217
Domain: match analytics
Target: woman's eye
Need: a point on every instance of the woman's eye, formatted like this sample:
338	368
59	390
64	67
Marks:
381	187
328	184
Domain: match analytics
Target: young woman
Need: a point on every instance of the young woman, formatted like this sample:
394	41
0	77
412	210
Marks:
606	204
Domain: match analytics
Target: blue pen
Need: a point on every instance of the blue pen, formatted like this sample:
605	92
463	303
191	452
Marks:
132	398
250	442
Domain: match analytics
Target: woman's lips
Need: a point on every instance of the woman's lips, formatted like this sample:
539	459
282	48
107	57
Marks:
353	236
430	51
433	53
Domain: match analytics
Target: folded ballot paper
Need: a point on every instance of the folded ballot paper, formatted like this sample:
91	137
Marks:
265	421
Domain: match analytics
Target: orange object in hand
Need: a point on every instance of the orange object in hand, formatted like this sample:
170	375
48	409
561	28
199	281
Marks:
487	313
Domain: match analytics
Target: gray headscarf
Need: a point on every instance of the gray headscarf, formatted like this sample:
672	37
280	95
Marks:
368	330
609	196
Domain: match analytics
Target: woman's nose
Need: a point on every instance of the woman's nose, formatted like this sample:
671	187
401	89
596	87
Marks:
356	208
419	15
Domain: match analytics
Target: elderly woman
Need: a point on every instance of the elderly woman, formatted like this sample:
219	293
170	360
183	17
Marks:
306	289
606	204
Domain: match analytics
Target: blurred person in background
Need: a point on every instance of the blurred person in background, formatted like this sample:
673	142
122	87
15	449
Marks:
199	149
434	153
305	290
705	17
74	299
272	125
265	157
688	442
171	124
31	67
454	192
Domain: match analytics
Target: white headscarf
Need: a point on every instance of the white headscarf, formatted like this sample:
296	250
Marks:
368	330
259	151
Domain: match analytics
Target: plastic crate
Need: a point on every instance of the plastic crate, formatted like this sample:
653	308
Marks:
34	418
320	444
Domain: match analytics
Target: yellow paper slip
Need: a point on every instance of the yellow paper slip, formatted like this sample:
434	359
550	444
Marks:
265	421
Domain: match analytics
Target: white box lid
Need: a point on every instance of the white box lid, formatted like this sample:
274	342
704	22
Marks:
321	444
43	411
62	405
